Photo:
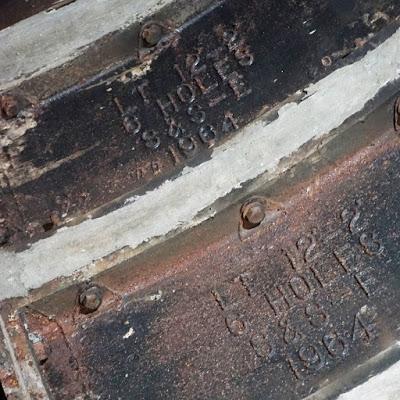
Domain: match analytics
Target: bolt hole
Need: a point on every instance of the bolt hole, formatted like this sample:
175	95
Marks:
42	362
2	393
48	226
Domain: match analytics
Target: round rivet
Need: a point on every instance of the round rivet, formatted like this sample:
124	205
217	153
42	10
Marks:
90	300
152	34
253	214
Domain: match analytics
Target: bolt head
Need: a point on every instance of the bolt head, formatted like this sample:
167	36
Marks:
326	61
90	300
8	106
235	326
253	214
152	34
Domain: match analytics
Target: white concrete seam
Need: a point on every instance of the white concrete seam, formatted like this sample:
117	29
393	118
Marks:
50	39
384	386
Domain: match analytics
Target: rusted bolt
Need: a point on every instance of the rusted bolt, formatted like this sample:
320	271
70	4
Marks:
397	115
235	326
152	34
326	61
90	300
253	213
8	107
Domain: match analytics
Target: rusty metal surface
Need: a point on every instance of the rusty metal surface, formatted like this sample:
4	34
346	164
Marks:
87	149
279	308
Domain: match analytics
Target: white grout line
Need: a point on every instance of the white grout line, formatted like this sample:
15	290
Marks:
384	386
175	204
50	39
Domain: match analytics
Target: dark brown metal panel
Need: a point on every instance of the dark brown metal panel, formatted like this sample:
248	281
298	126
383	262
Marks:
122	134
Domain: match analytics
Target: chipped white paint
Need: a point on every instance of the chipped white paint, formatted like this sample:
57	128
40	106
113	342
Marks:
135	72
49	39
157	296
14	129
384	386
175	204
128	334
